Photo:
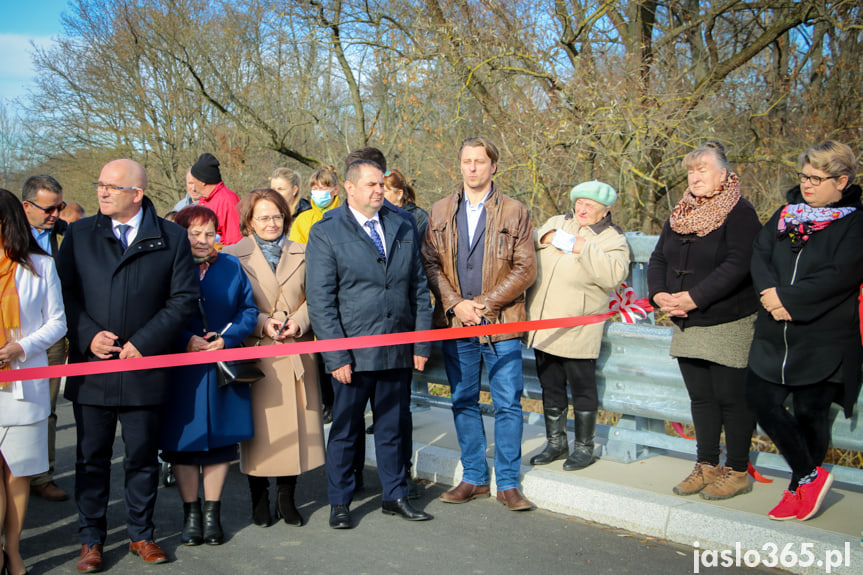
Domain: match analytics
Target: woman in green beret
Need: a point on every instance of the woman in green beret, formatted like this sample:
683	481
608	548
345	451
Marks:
580	257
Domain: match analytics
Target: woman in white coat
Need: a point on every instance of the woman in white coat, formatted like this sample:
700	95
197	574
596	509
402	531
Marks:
31	311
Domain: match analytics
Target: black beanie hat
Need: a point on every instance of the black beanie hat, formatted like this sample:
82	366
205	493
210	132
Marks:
206	169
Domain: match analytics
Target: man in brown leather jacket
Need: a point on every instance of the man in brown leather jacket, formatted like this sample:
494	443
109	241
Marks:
479	257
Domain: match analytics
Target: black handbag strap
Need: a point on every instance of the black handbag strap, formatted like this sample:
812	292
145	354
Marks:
203	314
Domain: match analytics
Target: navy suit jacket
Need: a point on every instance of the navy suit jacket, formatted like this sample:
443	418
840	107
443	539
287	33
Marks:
351	291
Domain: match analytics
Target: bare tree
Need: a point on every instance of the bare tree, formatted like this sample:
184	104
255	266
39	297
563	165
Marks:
10	145
572	89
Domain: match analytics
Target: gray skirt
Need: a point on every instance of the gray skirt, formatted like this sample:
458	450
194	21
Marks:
25	448
726	344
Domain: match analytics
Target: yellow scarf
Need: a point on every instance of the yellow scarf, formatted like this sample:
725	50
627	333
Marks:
9	308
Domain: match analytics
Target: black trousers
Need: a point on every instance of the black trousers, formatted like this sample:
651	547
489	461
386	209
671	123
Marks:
554	372
802	436
717	399
349	425
97	426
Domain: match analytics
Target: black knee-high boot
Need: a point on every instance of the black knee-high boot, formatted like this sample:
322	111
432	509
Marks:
557	446
585	432
259	488
285	507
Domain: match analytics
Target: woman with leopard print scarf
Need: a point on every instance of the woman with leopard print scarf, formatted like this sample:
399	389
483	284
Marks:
699	276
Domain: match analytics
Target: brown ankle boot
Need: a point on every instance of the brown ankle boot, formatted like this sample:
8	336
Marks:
701	476
728	484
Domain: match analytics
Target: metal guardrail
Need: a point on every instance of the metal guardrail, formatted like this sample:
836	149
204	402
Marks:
637	378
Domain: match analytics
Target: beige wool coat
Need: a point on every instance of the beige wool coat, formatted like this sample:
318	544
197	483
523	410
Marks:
575	284
286	404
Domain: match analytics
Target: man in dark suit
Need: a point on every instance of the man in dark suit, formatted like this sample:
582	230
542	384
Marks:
129	286
375	155
364	277
42	198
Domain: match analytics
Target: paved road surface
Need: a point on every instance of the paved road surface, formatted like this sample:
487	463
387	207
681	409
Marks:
481	537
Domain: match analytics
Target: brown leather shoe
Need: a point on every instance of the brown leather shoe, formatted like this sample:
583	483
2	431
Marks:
49	492
465	492
149	551
91	559
513	499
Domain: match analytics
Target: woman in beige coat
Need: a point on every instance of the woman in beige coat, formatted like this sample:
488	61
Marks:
286	404
580	257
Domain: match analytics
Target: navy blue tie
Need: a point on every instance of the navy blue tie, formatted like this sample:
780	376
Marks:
373	232
123	229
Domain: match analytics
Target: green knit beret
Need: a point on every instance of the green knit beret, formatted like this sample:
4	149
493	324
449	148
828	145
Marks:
594	190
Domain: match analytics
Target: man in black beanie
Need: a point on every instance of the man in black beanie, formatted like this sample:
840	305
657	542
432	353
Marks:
215	195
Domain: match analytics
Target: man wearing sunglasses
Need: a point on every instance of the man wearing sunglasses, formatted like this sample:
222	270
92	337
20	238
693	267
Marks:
42	197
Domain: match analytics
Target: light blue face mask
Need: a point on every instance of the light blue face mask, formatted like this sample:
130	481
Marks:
322	198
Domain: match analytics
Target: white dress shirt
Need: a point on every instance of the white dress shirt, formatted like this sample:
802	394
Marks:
377	222
132	233
473	215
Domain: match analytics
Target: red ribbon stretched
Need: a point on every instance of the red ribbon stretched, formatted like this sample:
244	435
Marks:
198	358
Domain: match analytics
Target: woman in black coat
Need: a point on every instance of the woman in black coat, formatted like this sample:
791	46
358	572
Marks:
807	265
699	275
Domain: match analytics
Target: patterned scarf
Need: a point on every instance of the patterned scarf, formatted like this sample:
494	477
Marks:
9	306
799	221
700	216
272	251
204	264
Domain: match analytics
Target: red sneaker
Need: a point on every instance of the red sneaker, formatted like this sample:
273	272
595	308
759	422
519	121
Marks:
812	494
787	508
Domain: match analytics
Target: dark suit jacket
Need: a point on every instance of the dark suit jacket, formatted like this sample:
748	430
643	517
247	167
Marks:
145	295
58	230
352	292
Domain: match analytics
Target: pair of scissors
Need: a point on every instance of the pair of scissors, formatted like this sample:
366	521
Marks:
490	343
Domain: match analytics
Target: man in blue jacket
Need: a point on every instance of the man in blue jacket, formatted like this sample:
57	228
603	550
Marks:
364	277
129	286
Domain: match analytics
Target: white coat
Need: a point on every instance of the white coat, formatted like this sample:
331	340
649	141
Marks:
43	323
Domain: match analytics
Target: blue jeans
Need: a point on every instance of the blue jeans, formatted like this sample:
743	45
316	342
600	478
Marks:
463	359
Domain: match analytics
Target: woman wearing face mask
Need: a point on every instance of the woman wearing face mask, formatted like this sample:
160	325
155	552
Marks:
324	189
324	186
286	404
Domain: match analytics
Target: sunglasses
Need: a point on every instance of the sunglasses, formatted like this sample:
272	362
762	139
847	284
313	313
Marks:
50	210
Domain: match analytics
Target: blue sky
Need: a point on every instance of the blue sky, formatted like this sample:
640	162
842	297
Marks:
23	21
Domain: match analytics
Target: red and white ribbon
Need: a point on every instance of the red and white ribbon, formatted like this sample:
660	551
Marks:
627	305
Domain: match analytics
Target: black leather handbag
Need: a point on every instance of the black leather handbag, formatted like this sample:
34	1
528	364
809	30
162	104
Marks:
240	371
